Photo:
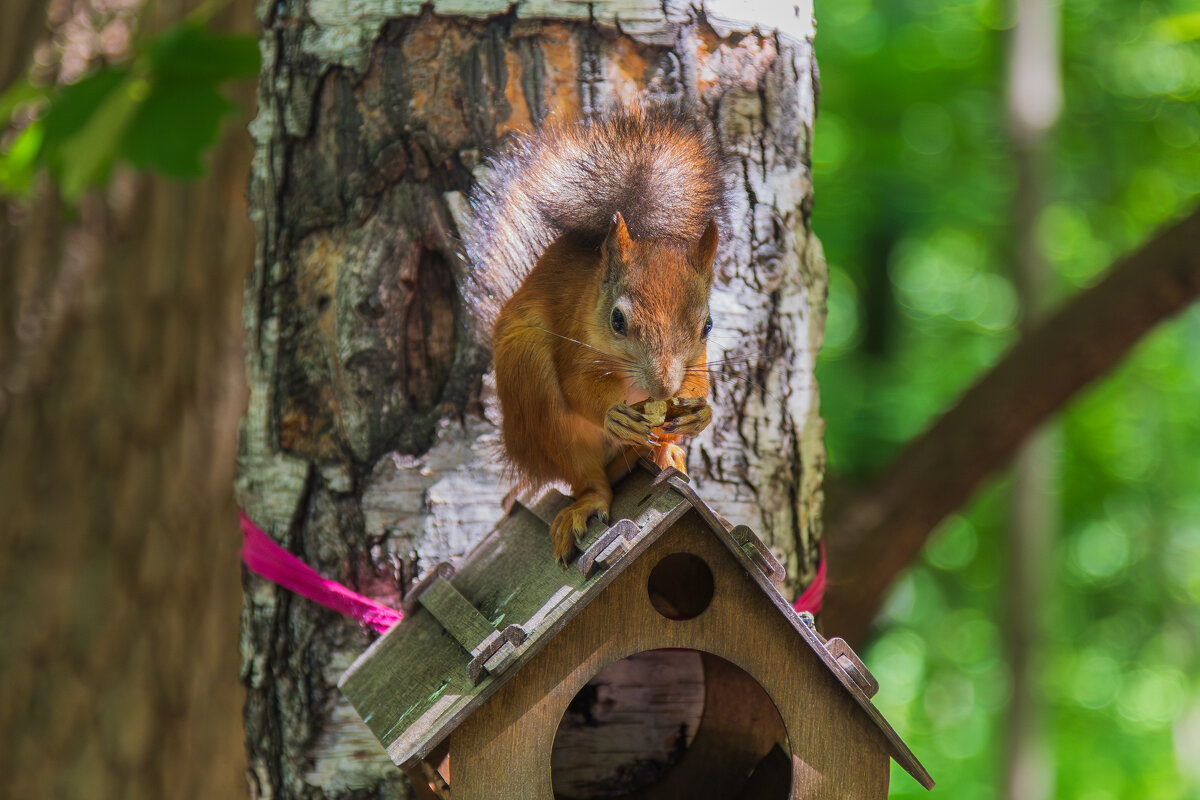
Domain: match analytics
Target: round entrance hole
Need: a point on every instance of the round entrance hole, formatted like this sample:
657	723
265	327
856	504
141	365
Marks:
680	586
668	724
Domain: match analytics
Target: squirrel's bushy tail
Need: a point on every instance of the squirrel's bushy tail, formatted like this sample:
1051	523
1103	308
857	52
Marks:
659	166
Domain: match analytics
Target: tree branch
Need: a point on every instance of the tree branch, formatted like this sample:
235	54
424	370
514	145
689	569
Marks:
881	530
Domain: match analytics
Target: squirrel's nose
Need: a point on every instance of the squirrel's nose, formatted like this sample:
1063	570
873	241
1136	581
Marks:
668	379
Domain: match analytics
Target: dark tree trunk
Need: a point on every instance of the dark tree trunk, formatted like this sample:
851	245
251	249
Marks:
368	445
121	385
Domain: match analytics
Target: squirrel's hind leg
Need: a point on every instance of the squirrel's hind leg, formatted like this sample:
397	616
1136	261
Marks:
571	523
671	455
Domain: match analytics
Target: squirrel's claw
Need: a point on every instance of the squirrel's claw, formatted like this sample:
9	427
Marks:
627	425
691	422
571	524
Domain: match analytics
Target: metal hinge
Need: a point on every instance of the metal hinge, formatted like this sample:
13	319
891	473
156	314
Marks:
611	544
843	657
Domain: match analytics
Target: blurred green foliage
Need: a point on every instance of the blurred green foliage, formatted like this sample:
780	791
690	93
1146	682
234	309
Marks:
914	188
161	112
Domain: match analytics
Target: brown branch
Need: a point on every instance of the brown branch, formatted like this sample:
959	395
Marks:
882	529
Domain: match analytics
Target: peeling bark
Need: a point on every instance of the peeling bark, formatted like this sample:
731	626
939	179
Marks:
369	447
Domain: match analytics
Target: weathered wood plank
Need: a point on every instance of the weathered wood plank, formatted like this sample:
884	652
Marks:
456	614
512	577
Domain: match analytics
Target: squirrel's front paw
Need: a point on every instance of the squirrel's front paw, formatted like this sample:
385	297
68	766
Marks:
571	524
627	425
687	416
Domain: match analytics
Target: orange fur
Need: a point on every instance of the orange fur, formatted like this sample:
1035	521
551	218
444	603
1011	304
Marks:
561	369
573	220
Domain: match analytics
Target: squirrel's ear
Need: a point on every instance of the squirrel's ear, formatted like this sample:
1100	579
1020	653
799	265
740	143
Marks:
617	243
705	249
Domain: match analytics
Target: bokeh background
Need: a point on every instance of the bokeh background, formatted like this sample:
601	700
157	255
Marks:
116	439
914	183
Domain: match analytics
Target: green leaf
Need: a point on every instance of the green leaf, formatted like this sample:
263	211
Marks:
188	50
85	158
71	108
19	94
79	135
20	163
162	113
177	123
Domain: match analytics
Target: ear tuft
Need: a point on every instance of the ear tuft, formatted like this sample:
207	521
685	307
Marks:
617	242
705	249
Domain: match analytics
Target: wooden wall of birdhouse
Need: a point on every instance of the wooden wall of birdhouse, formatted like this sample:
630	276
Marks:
502	751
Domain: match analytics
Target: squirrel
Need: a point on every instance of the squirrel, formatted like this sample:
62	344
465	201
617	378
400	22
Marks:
593	244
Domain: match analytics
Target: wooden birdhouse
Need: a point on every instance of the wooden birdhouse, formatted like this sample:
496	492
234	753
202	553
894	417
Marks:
501	660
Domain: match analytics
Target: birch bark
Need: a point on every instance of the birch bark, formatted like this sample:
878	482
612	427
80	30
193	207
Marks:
369	443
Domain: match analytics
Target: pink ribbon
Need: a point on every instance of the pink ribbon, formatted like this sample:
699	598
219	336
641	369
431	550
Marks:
271	561
814	594
265	558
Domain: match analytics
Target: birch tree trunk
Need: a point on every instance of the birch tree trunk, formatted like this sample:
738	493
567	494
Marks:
369	444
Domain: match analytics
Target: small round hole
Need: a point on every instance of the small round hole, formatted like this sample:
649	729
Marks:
680	586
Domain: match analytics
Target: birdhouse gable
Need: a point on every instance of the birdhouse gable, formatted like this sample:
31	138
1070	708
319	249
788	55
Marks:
471	627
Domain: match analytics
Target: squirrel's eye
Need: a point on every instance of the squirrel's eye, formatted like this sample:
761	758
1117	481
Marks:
617	320
707	327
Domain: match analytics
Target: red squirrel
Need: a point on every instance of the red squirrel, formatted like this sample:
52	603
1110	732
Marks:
596	240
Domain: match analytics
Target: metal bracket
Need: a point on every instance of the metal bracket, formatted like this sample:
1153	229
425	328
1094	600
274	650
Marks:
842	657
611	544
852	665
758	554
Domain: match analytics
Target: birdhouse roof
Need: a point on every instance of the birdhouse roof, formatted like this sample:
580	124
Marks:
470	627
